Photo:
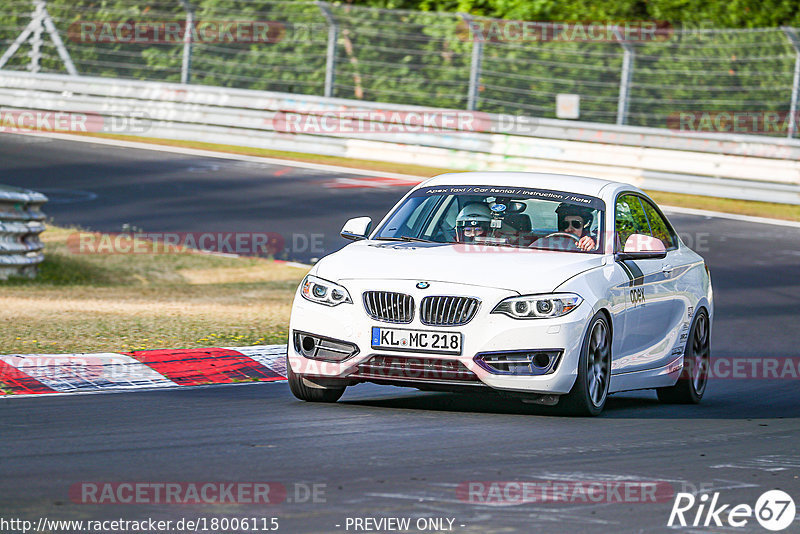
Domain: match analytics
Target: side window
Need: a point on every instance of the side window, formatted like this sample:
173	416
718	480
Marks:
630	219
660	228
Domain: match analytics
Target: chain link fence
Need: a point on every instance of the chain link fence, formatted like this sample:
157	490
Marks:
639	73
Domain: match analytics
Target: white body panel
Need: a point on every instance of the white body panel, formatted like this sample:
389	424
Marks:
649	302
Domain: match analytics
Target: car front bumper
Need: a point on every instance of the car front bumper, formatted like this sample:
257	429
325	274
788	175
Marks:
486	332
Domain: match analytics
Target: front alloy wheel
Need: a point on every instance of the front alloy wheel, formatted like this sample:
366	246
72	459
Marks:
589	394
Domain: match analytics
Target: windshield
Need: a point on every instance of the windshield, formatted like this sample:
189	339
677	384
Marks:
499	216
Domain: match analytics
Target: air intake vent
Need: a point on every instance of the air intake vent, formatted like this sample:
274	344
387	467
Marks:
448	311
389	307
408	368
323	348
535	362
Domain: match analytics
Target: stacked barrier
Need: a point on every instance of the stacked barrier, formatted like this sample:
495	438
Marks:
21	222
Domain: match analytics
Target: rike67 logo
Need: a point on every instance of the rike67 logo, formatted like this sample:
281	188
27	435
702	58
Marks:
774	510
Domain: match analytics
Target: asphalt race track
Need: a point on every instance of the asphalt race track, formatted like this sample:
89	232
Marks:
389	452
101	188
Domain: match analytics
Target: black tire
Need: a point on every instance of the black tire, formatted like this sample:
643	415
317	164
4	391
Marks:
590	392
311	393
696	360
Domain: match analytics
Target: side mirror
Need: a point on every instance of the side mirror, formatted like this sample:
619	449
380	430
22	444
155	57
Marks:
642	247
356	229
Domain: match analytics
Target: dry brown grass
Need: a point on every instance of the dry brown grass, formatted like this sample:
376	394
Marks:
95	303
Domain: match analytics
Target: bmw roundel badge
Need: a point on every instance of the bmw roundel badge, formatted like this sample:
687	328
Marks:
423	285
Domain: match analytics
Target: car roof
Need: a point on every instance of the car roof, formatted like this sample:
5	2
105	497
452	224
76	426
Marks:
556	182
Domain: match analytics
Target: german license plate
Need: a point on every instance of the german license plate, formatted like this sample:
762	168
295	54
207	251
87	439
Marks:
416	340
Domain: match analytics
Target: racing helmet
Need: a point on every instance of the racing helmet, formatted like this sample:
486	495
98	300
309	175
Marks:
565	210
473	215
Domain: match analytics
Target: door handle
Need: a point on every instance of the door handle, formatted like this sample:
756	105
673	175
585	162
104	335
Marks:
667	269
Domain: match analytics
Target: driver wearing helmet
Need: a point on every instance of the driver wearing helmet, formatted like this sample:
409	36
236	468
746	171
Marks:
473	221
575	220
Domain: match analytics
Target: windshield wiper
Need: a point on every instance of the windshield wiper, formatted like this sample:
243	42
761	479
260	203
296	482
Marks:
417	239
405	238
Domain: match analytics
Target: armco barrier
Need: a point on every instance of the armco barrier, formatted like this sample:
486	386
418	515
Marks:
21	222
725	165
32	374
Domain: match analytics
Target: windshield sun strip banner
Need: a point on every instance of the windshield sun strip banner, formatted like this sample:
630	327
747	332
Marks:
516	193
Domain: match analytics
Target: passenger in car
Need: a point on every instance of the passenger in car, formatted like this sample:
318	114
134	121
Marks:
473	221
575	220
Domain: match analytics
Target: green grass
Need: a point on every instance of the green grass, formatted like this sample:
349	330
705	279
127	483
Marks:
771	210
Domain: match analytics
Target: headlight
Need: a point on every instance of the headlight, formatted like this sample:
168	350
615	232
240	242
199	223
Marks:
539	306
324	292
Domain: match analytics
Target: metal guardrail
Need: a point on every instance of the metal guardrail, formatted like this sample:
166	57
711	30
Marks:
164	100
733	166
21	222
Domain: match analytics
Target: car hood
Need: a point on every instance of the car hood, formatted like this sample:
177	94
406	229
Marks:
522	270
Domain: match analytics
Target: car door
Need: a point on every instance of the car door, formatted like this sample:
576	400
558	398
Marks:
674	313
650	298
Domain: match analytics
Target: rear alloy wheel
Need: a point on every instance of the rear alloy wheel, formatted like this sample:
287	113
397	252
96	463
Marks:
696	360
306	390
589	394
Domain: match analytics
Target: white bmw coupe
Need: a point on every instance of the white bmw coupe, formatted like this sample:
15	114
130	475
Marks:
557	290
